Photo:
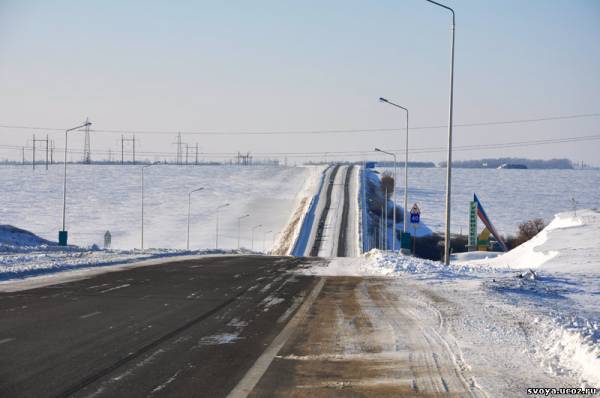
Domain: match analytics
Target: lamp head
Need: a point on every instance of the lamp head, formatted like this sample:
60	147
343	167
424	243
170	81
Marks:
383	99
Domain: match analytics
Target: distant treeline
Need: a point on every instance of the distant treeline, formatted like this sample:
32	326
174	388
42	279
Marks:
495	163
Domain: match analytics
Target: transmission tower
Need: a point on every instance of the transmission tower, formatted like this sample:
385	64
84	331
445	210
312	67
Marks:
35	141
87	156
123	140
180	144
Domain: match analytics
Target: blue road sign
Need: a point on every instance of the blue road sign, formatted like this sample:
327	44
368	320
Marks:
415	214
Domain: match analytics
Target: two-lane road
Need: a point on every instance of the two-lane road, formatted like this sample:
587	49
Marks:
190	328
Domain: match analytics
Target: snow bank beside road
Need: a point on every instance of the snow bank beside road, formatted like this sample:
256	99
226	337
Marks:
39	261
570	243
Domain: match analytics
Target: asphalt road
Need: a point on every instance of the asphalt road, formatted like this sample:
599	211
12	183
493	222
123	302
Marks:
343	233
184	329
323	217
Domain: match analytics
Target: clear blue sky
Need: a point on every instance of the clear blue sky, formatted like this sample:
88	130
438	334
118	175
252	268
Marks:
283	65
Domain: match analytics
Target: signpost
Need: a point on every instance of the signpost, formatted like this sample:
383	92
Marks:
415	218
473	226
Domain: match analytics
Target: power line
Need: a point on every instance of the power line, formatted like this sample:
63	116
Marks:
417	150
309	132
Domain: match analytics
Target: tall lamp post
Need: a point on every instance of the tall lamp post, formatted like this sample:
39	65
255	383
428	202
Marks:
449	161
253	229
405	223
64	235
240	227
144	167
217	233
394	199
189	214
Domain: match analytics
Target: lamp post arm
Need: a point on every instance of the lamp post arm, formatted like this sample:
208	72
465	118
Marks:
444	6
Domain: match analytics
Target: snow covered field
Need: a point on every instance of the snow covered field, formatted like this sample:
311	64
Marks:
102	198
513	328
509	196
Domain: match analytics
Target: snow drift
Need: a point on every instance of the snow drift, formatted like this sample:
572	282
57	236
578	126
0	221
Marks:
570	243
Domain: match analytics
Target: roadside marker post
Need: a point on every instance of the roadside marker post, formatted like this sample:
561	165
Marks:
415	218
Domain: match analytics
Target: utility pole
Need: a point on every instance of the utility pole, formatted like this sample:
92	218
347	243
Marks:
123	140
23	155
87	156
179	155
35	141
196	154
187	152
179	144
52	147
46	151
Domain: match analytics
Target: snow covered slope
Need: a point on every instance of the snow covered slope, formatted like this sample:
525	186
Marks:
12	238
570	243
101	198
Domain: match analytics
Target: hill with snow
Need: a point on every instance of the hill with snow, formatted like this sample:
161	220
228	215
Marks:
570	243
11	237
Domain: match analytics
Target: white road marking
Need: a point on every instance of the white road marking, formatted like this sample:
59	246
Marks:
115	288
102	285
91	314
7	340
251	378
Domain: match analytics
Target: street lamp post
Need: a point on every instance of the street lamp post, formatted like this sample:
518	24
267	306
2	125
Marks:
395	196
254	228
405	223
240	227
217	233
144	167
63	235
449	161
189	214
265	240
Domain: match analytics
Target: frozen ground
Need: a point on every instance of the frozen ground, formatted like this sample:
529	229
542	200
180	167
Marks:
104	198
509	196
511	328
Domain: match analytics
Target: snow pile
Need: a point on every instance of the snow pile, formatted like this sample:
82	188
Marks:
570	243
472	256
14	239
569	346
42	262
381	263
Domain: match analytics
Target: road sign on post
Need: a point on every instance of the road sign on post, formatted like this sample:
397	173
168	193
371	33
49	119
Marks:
415	218
473	226
415	214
